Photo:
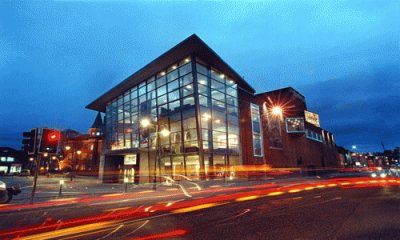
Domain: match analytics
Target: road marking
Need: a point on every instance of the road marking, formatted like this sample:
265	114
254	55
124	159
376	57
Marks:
112	232
137	229
243	213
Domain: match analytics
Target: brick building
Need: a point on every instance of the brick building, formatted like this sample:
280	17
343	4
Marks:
290	135
81	152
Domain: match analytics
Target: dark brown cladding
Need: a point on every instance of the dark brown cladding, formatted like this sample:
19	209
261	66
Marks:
192	45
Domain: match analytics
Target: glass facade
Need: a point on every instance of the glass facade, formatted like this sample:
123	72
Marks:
195	104
219	116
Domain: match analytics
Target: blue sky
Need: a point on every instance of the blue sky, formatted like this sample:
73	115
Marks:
56	57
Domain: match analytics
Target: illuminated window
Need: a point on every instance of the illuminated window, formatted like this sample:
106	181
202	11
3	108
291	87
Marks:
256	127
313	135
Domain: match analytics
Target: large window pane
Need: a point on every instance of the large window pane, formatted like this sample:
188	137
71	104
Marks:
172	96
173	85
187	68
256	127
201	79
172	75
186	79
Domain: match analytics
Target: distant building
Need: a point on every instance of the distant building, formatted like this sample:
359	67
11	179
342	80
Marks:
81	152
344	157
12	161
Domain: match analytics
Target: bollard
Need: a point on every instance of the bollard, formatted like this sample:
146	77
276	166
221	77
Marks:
126	180
61	184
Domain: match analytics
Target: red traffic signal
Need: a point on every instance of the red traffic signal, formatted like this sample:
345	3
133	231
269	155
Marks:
49	140
53	136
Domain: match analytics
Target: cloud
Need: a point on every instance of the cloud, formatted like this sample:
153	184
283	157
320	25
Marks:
361	109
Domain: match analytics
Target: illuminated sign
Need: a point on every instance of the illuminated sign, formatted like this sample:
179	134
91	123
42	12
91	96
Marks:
130	159
294	125
312	118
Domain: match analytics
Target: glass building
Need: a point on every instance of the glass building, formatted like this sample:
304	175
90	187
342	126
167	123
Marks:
189	113
179	115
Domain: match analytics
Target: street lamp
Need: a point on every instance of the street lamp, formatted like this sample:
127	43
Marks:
164	133
277	110
79	152
145	122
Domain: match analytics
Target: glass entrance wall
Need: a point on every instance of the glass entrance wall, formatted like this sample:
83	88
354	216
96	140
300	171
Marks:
167	102
219	115
165	99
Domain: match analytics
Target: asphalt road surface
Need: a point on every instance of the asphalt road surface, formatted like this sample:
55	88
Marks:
337	212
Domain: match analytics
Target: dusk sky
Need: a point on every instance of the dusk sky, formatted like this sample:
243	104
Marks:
343	56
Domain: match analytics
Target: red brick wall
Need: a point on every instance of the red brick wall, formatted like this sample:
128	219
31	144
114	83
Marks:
296	146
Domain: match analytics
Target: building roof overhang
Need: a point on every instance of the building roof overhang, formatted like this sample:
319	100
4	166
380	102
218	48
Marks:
192	45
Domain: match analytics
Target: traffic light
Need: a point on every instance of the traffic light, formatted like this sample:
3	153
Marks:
29	140
49	140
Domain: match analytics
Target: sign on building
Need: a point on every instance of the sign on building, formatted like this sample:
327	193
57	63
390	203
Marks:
294	125
312	118
130	159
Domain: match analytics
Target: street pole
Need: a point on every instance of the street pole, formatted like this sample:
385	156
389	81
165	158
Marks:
157	156
38	159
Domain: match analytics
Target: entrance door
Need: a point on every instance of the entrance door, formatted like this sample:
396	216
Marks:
129	173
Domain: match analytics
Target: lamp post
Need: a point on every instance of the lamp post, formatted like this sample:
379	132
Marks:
79	152
145	123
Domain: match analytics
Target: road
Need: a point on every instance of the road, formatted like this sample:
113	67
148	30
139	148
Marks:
351	208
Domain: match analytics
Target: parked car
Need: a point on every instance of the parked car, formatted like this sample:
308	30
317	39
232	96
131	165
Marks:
6	192
25	173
